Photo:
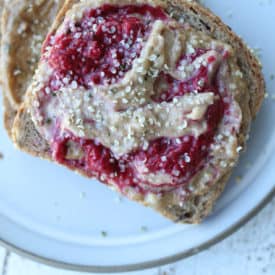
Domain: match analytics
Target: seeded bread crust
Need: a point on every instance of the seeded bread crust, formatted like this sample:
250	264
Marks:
200	203
24	25
9	112
1	10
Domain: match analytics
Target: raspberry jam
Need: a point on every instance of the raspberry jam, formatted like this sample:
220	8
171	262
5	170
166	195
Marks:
99	50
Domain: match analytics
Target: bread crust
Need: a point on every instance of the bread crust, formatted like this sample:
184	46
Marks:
1	10
198	205
23	31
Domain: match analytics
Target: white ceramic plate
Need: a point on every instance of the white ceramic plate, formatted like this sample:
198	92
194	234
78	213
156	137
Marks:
59	217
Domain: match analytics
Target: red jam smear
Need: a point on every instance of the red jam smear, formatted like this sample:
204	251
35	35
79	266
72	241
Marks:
177	88
87	56
101	48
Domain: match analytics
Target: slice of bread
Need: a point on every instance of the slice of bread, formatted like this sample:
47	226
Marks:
1	10
24	27
200	202
9	113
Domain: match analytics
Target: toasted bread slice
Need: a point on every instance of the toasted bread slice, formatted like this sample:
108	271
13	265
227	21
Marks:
9	113
199	203
1	10
24	27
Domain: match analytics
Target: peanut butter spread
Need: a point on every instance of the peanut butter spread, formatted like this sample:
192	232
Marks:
125	77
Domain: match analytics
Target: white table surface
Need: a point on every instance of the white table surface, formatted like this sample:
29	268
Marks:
250	251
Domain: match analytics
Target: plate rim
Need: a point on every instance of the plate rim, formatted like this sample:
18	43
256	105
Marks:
147	264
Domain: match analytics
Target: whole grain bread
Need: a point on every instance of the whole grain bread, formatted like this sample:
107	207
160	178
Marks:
200	203
9	113
1	10
24	25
